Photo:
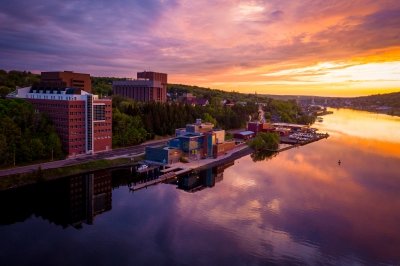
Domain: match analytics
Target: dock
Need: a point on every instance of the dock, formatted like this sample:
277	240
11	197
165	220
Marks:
167	173
149	169
145	184
316	137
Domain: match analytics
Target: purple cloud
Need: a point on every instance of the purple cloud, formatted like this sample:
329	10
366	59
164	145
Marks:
186	38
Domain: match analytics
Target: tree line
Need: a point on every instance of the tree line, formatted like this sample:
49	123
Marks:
26	135
135	122
10	80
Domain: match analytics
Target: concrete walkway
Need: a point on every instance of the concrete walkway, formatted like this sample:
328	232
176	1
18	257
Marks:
207	162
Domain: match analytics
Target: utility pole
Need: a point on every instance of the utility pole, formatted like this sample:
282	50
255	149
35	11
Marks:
14	155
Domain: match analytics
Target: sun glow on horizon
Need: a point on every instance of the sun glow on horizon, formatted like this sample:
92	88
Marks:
331	78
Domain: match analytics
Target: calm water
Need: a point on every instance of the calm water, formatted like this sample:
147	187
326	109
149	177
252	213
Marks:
300	207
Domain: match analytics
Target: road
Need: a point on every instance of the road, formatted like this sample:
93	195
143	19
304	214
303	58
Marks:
128	151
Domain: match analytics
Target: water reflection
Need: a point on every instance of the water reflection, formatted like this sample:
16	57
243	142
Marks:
300	207
363	125
262	155
65	202
197	181
304	206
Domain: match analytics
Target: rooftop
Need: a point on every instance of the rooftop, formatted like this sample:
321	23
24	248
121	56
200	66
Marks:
246	133
288	125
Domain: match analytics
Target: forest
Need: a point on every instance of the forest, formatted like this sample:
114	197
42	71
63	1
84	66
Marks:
25	135
134	122
10	80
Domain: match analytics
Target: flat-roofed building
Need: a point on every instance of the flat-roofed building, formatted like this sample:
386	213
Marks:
149	86
82	120
65	79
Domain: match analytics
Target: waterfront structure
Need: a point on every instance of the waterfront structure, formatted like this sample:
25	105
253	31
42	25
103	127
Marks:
283	129
166	155
65	79
82	120
292	127
196	141
149	86
244	135
257	127
222	148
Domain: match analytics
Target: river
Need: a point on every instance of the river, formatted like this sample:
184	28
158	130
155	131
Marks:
299	207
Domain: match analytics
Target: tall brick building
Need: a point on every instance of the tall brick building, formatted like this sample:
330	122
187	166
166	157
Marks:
149	86
82	120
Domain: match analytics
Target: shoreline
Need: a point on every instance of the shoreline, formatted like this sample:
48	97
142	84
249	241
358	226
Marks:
43	175
203	164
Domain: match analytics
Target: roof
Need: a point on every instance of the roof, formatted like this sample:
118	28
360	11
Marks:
288	125
246	133
190	135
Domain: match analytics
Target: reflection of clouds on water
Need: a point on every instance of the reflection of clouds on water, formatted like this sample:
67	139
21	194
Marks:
364	125
300	207
302	204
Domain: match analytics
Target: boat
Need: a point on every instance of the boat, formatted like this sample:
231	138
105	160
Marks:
142	167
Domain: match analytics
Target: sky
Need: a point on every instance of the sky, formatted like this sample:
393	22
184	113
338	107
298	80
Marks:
307	47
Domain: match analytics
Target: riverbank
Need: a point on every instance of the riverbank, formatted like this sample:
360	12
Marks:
178	169
42	175
121	161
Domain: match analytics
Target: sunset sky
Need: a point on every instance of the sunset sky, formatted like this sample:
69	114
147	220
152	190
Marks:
307	47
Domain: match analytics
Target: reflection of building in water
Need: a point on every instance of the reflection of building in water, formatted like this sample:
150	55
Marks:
68	201
194	182
90	195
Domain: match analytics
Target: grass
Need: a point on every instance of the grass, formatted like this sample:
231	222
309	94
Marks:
40	175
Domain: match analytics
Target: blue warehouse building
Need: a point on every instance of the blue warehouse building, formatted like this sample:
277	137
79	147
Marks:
194	142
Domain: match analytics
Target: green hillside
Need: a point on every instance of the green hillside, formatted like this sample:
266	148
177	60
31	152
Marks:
389	99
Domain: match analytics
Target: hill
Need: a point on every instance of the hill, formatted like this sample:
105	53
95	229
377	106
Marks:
388	103
389	100
213	94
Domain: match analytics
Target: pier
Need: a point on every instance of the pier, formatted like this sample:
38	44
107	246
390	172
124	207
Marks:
167	173
294	141
147	183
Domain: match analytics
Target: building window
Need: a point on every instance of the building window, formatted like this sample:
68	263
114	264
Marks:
99	112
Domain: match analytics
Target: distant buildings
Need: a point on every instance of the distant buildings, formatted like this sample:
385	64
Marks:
283	129
149	86
190	99
82	120
66	79
257	127
196	141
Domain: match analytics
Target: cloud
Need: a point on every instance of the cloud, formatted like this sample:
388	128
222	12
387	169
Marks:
190	39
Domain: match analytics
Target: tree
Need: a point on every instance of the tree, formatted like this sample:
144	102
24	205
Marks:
265	141
4	91
208	118
262	155
25	136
